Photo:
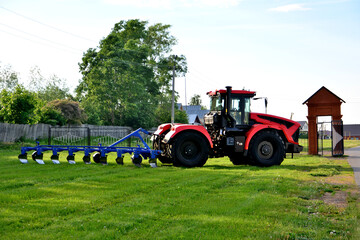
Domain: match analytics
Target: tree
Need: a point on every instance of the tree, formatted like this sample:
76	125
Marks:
48	89
195	100
70	111
52	116
18	106
125	78
8	78
163	115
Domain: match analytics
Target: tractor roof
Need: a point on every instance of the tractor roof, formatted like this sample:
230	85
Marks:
223	91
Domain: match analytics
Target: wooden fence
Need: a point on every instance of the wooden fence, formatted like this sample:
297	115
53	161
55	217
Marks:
15	132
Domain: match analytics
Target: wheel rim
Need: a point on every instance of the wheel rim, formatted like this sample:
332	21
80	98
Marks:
265	150
189	150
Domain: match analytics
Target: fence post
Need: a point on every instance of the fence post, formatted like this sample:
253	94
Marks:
89	136
49	135
129	139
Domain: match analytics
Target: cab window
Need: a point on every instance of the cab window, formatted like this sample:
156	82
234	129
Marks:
240	109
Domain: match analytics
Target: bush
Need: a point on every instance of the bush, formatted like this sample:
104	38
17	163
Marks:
18	106
52	116
70	110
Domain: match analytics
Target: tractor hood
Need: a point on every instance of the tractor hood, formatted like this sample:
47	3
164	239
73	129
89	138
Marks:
272	119
289	127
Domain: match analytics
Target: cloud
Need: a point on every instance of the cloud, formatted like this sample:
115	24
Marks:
174	3
290	8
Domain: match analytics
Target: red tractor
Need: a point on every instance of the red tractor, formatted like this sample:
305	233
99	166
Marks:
230	130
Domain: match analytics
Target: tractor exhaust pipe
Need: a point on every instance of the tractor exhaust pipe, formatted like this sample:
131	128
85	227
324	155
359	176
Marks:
228	99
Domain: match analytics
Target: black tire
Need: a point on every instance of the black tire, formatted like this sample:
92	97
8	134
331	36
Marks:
96	157
34	155
136	160
190	149
239	159
267	149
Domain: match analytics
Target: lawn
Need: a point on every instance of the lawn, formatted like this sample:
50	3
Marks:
308	197
327	145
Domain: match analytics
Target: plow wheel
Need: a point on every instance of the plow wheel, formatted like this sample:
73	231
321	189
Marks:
37	157
96	157
120	160
23	158
267	149
136	160
190	150
71	159
86	159
55	159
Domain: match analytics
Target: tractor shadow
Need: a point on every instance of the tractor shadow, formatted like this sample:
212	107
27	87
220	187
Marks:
300	168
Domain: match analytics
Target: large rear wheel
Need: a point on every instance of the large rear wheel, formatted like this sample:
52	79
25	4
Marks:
190	149
267	149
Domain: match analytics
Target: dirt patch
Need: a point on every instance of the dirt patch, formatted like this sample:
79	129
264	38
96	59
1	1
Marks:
340	180
337	199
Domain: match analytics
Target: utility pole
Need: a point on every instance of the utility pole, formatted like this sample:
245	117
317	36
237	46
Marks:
173	93
185	95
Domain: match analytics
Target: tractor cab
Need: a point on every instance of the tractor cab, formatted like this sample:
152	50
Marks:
229	108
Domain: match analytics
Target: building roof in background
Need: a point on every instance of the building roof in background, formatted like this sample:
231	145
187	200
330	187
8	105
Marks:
302	123
193	118
195	109
352	130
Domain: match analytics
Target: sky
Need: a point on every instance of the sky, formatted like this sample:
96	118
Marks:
284	50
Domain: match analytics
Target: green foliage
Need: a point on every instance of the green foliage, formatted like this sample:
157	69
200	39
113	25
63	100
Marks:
52	116
217	201
18	106
163	114
125	77
65	110
195	100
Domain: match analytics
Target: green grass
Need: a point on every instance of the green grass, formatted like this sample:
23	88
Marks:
327	144
217	201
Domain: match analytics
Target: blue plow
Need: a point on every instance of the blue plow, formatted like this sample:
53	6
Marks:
100	152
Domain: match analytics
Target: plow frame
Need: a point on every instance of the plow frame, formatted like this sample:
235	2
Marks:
100	151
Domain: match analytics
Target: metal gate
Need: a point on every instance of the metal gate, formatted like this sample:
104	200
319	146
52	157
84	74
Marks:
74	136
323	133
337	136
109	135
330	138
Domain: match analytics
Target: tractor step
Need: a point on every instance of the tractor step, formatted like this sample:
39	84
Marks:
100	152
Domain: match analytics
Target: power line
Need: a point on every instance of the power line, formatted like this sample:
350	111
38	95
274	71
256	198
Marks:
40	43
41	38
47	25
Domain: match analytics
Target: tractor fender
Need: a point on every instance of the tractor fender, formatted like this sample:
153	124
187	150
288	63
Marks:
162	128
176	129
258	127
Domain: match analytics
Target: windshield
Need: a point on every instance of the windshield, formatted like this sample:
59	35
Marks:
216	103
